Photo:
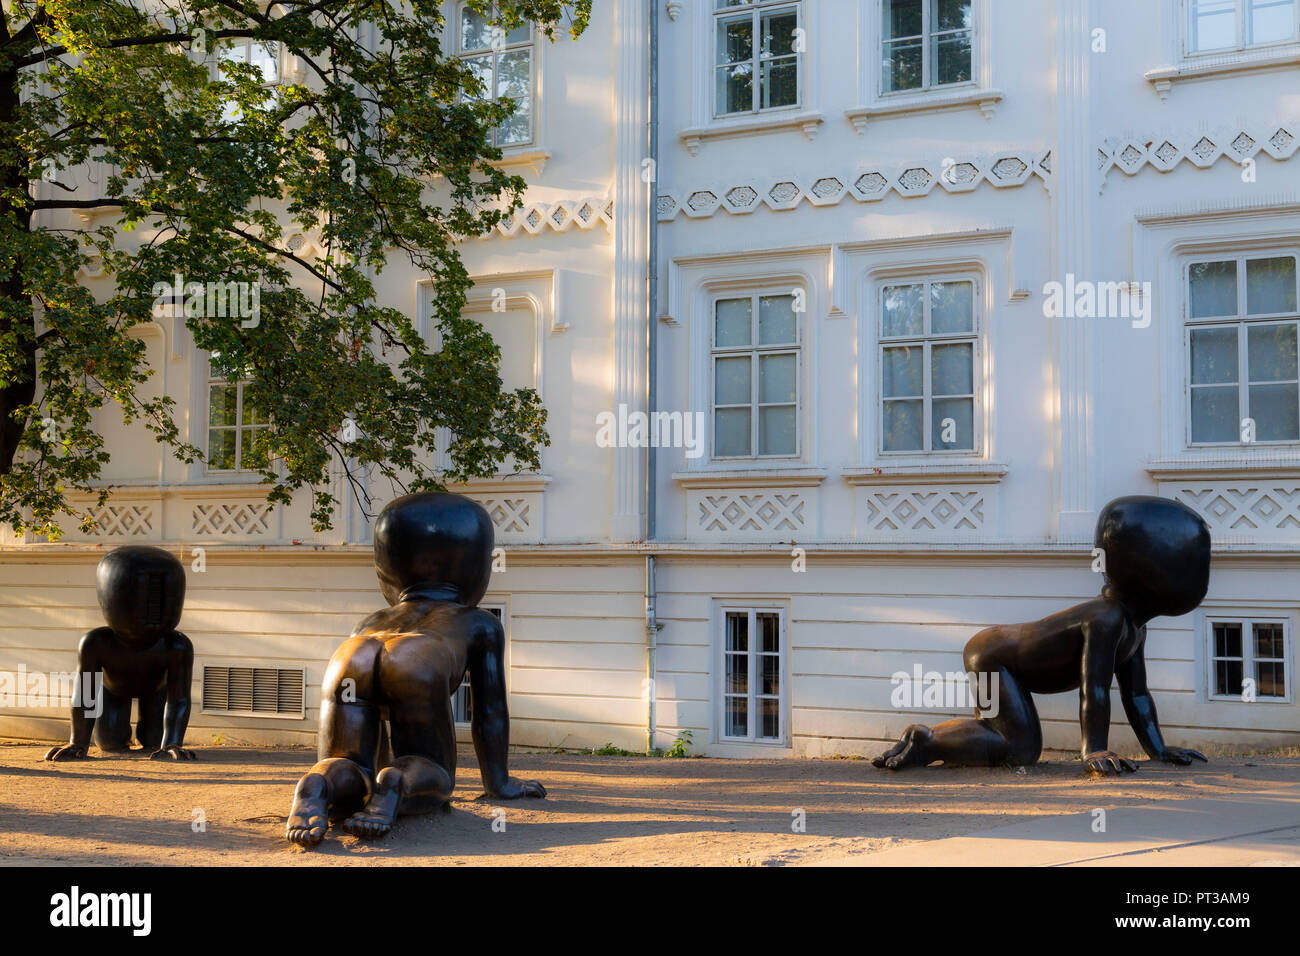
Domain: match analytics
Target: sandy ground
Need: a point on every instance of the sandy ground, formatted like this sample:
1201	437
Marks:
600	810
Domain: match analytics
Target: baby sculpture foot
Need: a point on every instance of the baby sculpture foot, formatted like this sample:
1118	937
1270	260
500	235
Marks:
309	818
908	752
376	818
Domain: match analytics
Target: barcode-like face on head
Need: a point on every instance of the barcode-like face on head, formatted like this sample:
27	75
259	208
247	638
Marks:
153	600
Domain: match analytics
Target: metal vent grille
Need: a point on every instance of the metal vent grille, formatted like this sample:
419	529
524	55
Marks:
253	690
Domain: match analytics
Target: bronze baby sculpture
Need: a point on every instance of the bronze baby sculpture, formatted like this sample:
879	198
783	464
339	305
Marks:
1156	556
387	739
139	656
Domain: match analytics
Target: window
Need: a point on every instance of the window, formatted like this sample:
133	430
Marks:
233	421
1214	26
502	60
1243	382
1249	649
924	44
264	55
756	377
462	702
752	663
756	56
927	366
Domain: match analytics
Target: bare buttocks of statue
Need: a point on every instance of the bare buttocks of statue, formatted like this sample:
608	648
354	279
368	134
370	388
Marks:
1157	562
387	739
139	656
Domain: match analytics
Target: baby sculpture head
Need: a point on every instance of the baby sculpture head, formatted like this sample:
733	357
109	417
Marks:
433	545
1157	555
141	591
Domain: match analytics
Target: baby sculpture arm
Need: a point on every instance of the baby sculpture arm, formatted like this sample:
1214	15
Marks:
490	722
176	718
84	710
1101	636
1141	711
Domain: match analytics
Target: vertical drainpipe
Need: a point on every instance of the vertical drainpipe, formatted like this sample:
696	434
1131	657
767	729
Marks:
652	624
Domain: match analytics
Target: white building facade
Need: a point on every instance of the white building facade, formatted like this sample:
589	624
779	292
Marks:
935	280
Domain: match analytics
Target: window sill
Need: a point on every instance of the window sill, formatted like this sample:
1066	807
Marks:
533	482
986	101
806	121
523	157
926	473
793	477
1224	466
1227	64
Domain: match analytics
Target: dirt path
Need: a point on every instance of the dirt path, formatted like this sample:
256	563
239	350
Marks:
601	810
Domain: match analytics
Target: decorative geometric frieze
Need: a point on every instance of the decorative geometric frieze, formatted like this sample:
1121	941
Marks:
923	513
244	519
1253	510
534	218
122	521
780	515
509	515
868	184
1202	149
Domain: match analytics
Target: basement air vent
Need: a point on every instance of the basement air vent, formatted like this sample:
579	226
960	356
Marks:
272	691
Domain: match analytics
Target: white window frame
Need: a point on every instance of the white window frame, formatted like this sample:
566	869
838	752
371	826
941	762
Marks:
926	55
927	340
460	700
783	710
1240	46
755	350
1247	621
1242	322
238	428
756	9
533	48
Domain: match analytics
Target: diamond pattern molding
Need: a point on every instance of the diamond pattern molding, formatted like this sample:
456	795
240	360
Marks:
1202	149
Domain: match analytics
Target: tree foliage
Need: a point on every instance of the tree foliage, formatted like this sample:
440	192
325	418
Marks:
382	146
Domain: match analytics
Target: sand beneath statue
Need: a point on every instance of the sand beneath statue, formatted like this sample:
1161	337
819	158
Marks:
229	807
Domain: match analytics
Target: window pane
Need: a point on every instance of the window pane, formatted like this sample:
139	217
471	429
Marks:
1271	352
951	368
1227	640
776	427
903	430
735	40
737	717
900	64
1270	679
780	84
778	32
952	424
266	57
731	432
222	405
737	678
731	381
250	414
1214	415
902	312
1270	21
1275	411
950	59
1227	678
221	449
475	31
952	307
1270	285
481	68
519	127
251	456
777	375
735	89
738	632
902	375
1214	356
732	324
1213	25
1212	289
776	320
951	14
769	629
902	18
770	709
520	34
769	683
1268	640
514	73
